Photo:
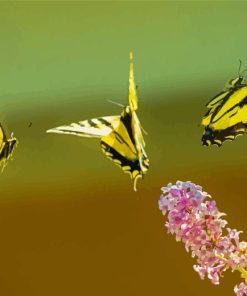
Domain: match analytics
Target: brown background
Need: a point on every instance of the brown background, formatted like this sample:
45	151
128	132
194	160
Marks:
70	223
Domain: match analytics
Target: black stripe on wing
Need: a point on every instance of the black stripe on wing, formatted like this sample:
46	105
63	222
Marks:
96	123
223	101
8	148
91	123
240	105
6	151
105	122
217	99
126	119
217	137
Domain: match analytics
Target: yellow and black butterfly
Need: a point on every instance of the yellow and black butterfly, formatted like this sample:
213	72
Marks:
6	147
227	114
121	135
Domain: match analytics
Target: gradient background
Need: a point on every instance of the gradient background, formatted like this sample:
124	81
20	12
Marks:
70	223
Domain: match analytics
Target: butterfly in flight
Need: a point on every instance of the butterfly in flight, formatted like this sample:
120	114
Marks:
227	115
6	147
121	137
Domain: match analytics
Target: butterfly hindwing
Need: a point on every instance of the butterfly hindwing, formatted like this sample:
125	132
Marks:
212	137
121	147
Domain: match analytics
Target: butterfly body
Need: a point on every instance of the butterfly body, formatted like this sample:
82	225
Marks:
227	114
121	138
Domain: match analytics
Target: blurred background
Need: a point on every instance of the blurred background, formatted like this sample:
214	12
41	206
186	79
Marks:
70	222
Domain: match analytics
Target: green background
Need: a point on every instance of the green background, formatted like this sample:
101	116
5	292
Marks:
70	222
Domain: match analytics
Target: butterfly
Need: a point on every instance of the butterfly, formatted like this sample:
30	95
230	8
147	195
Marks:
121	137
227	115
6	147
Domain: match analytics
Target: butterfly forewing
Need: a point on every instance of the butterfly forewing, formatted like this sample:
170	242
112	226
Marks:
233	102
92	128
217	99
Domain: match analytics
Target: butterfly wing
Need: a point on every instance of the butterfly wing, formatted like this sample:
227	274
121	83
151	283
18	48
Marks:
227	117
215	101
92	128
123	147
133	99
3	138
6	147
135	123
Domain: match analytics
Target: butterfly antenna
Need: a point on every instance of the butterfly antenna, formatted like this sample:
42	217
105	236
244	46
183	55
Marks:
115	103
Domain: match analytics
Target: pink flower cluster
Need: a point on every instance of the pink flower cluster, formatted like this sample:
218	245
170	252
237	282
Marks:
196	221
